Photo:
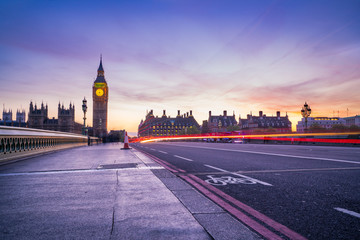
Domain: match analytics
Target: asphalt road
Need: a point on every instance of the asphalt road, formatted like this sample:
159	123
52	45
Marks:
292	191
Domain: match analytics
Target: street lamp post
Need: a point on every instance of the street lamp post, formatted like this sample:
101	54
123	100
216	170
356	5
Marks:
84	108
305	112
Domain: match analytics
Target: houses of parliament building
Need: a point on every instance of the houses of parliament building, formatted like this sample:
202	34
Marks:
38	118
65	121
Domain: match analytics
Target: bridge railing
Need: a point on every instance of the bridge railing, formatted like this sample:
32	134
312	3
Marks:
18	142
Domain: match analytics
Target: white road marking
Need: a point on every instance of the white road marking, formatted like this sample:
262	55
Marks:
276	154
78	171
163	152
355	214
153	167
225	180
240	175
299	170
187	159
152	149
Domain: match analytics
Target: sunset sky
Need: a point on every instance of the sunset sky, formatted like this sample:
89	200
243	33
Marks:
199	55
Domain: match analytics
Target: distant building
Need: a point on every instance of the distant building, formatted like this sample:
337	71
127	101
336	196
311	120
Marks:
278	123
8	120
20	116
7	115
351	121
38	118
219	123
66	119
323	122
205	127
166	126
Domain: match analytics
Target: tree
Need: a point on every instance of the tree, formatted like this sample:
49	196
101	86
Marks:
193	130
190	130
315	127
270	129
233	128
339	128
354	128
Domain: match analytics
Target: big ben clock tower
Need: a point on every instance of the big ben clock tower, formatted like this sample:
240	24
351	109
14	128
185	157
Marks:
100	103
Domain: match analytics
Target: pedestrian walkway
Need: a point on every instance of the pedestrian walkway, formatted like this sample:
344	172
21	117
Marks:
97	192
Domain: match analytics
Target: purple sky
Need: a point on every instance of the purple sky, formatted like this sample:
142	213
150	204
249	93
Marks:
198	55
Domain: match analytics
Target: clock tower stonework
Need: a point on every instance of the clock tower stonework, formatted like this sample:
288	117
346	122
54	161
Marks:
100	103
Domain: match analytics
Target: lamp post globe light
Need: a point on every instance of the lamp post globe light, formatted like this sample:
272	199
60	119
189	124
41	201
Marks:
84	108
305	112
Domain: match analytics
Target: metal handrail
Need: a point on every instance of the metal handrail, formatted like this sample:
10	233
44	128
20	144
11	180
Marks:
11	131
17	142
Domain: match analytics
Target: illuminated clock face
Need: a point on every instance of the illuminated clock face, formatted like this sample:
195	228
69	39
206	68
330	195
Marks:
99	92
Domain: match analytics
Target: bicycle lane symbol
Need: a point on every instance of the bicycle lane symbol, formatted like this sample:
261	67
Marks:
224	180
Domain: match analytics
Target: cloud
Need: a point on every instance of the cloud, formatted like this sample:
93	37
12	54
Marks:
335	89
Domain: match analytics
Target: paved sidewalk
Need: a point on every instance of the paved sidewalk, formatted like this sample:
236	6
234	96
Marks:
81	194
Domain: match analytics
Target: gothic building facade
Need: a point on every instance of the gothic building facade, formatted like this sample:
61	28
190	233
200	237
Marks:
20	116
100	95
7	115
7	118
38	118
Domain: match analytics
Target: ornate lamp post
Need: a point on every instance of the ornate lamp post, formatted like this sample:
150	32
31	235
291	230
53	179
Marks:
305	112
84	108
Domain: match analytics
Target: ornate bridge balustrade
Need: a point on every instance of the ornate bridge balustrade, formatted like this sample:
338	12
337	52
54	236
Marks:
23	142
18	144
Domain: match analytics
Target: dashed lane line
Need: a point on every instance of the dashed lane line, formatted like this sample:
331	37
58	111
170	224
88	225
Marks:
239	175
343	210
274	154
162	152
184	158
299	170
279	171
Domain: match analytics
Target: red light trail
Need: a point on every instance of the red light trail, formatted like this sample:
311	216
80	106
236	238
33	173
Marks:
290	137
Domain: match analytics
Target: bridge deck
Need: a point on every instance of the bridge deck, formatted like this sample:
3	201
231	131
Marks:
96	192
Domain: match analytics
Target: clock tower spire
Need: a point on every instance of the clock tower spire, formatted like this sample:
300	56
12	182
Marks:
100	103
100	69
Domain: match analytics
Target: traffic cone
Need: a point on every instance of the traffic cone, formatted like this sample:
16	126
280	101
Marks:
126	143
